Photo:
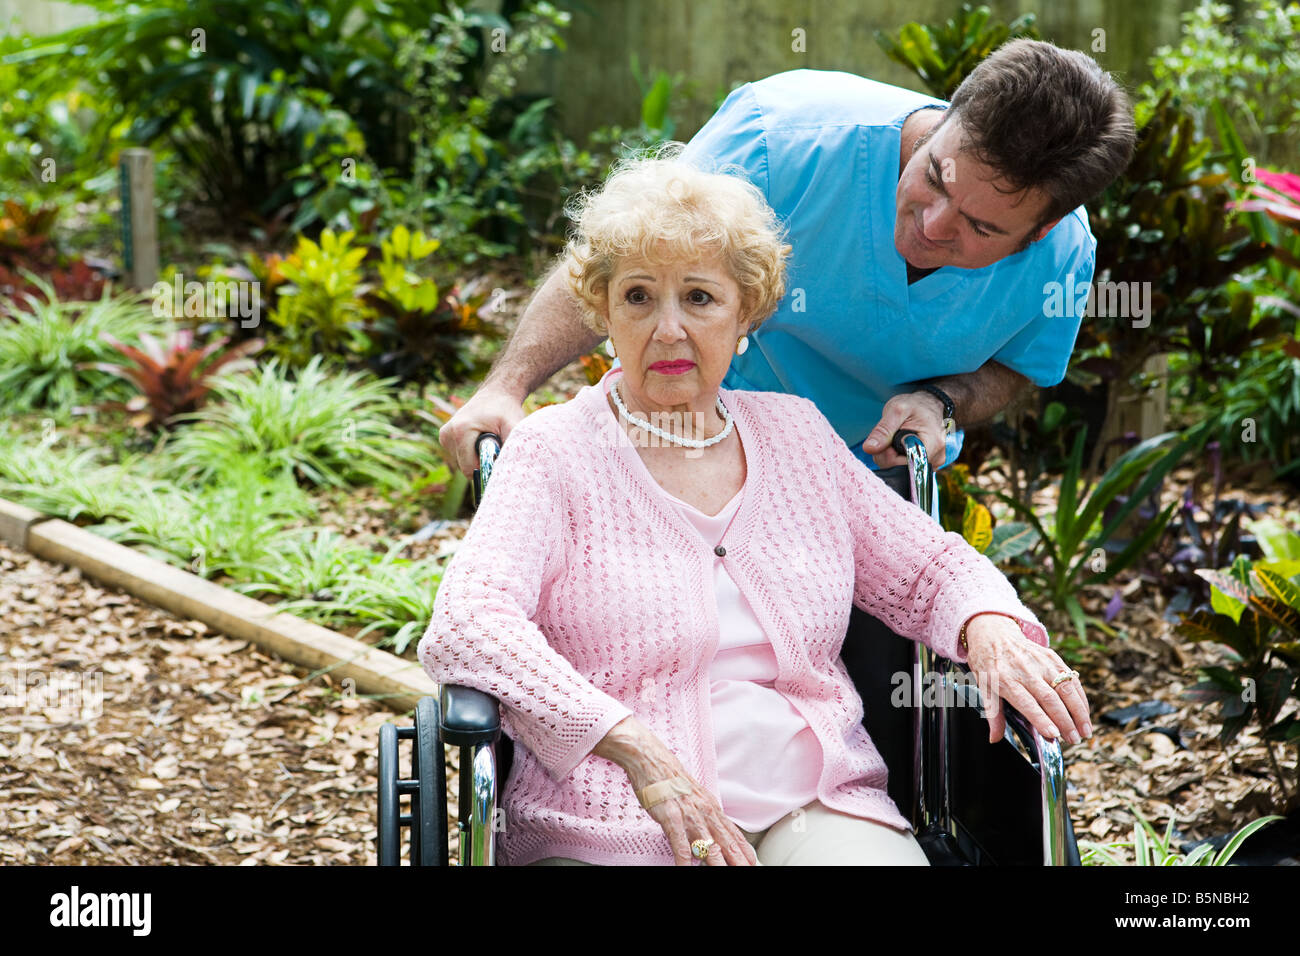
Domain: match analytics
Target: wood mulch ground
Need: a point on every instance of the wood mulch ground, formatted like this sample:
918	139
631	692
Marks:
129	736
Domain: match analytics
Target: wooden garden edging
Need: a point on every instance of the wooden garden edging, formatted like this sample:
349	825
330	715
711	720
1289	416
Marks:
398	683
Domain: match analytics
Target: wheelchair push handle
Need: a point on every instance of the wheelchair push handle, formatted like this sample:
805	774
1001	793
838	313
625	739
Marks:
487	446
899	445
920	476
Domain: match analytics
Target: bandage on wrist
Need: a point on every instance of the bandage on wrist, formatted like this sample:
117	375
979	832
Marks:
663	790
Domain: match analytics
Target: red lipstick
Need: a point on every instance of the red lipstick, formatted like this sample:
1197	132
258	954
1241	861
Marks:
675	367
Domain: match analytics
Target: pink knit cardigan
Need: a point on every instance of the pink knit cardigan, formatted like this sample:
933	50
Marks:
578	597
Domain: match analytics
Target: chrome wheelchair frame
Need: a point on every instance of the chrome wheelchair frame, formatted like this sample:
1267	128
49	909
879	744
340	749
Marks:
469	719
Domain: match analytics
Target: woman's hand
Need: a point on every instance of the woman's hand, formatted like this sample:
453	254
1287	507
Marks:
1010	667
693	816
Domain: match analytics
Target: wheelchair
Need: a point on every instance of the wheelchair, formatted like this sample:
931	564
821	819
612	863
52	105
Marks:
971	803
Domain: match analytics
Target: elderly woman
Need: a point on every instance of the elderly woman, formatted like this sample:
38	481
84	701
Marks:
658	580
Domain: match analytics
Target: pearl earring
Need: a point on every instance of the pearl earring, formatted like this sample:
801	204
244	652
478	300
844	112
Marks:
609	348
742	345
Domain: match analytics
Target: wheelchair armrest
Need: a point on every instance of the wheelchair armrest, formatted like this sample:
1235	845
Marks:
1048	761
1044	754
469	716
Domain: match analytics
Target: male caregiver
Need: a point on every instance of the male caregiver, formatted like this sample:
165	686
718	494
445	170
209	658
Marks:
923	235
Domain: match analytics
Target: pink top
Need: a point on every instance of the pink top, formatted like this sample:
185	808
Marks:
578	597
769	760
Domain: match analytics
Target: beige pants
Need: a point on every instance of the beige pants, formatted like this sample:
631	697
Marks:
819	836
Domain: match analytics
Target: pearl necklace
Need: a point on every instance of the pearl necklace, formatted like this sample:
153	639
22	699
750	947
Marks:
668	436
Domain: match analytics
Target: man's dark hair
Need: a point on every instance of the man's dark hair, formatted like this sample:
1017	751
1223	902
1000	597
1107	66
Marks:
1046	118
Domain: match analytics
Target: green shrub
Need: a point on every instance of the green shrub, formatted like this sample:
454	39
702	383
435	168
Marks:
488	168
209	530
303	564
1245	57
293	112
943	54
73	484
49	153
245	92
1164	225
321	311
1068	548
1254	413
214	529
422	331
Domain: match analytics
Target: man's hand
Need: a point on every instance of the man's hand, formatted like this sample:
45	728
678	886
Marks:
919	411
977	396
550	335
491	409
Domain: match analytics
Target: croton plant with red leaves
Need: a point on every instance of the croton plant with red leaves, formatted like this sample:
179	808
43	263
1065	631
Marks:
172	377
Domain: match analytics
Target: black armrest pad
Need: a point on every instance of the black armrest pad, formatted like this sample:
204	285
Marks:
469	716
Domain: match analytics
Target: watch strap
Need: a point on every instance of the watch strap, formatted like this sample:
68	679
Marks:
949	410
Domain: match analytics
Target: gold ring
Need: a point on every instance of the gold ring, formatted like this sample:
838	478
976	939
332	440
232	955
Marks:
700	848
1065	675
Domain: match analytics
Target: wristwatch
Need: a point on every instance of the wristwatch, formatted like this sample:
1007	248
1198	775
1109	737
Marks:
949	424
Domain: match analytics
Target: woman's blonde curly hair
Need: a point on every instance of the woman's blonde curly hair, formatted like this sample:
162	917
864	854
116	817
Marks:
658	208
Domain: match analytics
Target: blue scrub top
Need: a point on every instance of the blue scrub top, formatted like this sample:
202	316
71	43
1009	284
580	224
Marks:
850	333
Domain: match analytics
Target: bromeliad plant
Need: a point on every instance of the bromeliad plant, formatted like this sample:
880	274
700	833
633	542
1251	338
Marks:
27	246
173	378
